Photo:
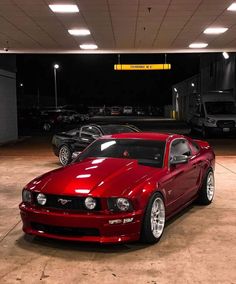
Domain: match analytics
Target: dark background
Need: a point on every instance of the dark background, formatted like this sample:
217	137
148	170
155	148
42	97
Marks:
91	79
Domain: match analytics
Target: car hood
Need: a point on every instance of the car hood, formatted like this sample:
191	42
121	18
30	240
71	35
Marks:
101	177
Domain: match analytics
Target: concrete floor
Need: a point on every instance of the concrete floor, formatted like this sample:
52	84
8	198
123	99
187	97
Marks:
198	246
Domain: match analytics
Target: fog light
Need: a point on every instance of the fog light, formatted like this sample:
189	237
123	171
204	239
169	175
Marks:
41	198
117	221
90	203
128	220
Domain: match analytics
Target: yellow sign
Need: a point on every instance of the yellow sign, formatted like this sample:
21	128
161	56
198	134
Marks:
142	66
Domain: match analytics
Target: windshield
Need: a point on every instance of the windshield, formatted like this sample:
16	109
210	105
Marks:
220	108
146	152
112	129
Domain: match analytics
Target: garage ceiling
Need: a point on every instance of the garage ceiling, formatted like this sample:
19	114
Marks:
117	26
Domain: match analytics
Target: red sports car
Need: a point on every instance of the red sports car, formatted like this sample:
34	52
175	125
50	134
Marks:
121	188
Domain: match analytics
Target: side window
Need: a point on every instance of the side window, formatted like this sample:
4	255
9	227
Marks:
180	147
84	129
94	131
88	131
194	147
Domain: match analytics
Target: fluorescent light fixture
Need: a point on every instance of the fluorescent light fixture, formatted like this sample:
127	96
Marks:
215	30
175	89
88	46
57	8
232	7
193	85
198	45
226	55
220	91
79	32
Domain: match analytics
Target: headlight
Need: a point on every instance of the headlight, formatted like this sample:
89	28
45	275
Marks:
41	198
119	204
90	203
211	120
123	204
26	196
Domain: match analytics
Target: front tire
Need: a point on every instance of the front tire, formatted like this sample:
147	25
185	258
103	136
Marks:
206	193
65	155
154	220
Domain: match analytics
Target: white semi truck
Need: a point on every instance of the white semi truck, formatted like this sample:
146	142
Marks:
214	112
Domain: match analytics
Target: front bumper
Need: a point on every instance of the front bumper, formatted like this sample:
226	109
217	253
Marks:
221	130
86	227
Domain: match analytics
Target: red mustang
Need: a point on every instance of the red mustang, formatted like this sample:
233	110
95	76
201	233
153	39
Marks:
121	188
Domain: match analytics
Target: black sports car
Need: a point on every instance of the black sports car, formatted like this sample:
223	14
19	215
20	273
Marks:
67	144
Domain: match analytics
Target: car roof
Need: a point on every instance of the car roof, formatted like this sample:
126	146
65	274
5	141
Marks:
144	135
110	125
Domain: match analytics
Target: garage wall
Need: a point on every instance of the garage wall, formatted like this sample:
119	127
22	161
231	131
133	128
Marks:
8	106
218	73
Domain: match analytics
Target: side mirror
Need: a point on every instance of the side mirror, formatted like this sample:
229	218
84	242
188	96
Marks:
179	159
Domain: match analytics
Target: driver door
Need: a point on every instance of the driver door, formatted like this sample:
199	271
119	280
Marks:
182	176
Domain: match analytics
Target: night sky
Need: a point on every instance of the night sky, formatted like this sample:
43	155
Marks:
91	80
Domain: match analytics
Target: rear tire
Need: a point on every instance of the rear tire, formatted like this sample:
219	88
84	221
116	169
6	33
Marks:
207	191
154	220
65	155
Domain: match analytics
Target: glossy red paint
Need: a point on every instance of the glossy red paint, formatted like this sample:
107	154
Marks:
103	178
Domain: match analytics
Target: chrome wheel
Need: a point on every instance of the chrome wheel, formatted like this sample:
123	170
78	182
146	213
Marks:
157	217
210	186
64	155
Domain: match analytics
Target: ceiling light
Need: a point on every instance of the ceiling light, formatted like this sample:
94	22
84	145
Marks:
226	55
193	85
198	45
232	7
88	46
64	8
79	32
215	30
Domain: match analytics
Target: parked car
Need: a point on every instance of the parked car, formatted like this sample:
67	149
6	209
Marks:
212	113
128	110
121	188
66	144
139	111
59	117
115	110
